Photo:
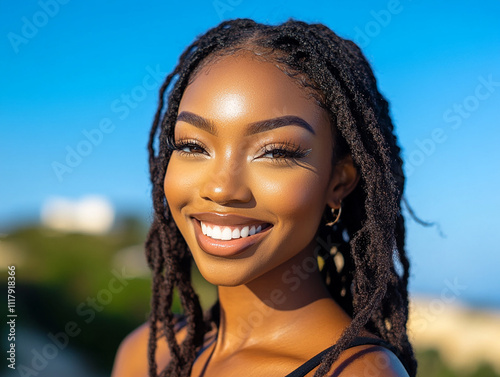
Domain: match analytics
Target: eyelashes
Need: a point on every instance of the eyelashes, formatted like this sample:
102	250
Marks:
280	152
189	147
284	152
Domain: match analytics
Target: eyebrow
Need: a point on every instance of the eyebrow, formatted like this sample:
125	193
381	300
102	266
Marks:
253	128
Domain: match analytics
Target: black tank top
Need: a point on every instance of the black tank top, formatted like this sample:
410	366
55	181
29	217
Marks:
312	363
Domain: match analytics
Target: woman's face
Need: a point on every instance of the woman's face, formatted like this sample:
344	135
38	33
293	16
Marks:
253	155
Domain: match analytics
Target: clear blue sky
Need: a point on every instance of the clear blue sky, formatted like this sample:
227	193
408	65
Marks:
66	70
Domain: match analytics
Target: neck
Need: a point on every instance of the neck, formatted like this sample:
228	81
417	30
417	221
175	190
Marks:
275	306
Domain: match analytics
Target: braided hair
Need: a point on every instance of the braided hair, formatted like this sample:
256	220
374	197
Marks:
368	273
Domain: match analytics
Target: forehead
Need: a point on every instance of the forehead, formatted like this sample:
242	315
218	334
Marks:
242	86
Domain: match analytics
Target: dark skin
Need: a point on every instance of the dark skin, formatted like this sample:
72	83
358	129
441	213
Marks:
270	324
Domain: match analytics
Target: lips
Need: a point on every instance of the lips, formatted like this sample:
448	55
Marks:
227	234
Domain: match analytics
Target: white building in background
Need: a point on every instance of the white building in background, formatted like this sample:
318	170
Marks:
90	214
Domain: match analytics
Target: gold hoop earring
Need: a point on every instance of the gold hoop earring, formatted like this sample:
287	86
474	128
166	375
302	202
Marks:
336	216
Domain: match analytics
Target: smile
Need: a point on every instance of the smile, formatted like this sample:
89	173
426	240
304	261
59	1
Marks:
227	233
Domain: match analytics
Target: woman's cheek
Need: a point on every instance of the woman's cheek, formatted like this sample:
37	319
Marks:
178	184
289	192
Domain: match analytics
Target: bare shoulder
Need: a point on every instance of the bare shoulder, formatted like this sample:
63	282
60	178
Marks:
132	356
368	360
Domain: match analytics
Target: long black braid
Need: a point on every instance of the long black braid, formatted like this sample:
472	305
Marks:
369	237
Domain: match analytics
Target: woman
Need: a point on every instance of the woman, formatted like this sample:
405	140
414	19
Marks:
278	172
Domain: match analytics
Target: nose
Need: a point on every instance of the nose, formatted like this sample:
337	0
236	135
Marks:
226	184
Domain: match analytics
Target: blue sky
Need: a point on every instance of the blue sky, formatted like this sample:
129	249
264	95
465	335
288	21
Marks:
70	67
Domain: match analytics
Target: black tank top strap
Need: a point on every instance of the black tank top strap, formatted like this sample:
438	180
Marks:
179	323
312	363
364	340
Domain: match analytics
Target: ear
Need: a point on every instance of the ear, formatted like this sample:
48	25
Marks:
344	179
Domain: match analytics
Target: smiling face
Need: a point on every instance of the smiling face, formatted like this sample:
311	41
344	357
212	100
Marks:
251	173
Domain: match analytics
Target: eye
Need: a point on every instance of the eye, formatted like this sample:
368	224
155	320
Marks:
190	147
284	152
277	153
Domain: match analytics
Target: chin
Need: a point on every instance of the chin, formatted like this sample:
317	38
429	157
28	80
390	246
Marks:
224	275
222	279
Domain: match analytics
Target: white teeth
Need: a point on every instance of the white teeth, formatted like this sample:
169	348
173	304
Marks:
244	232
216	232
225	233
236	233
